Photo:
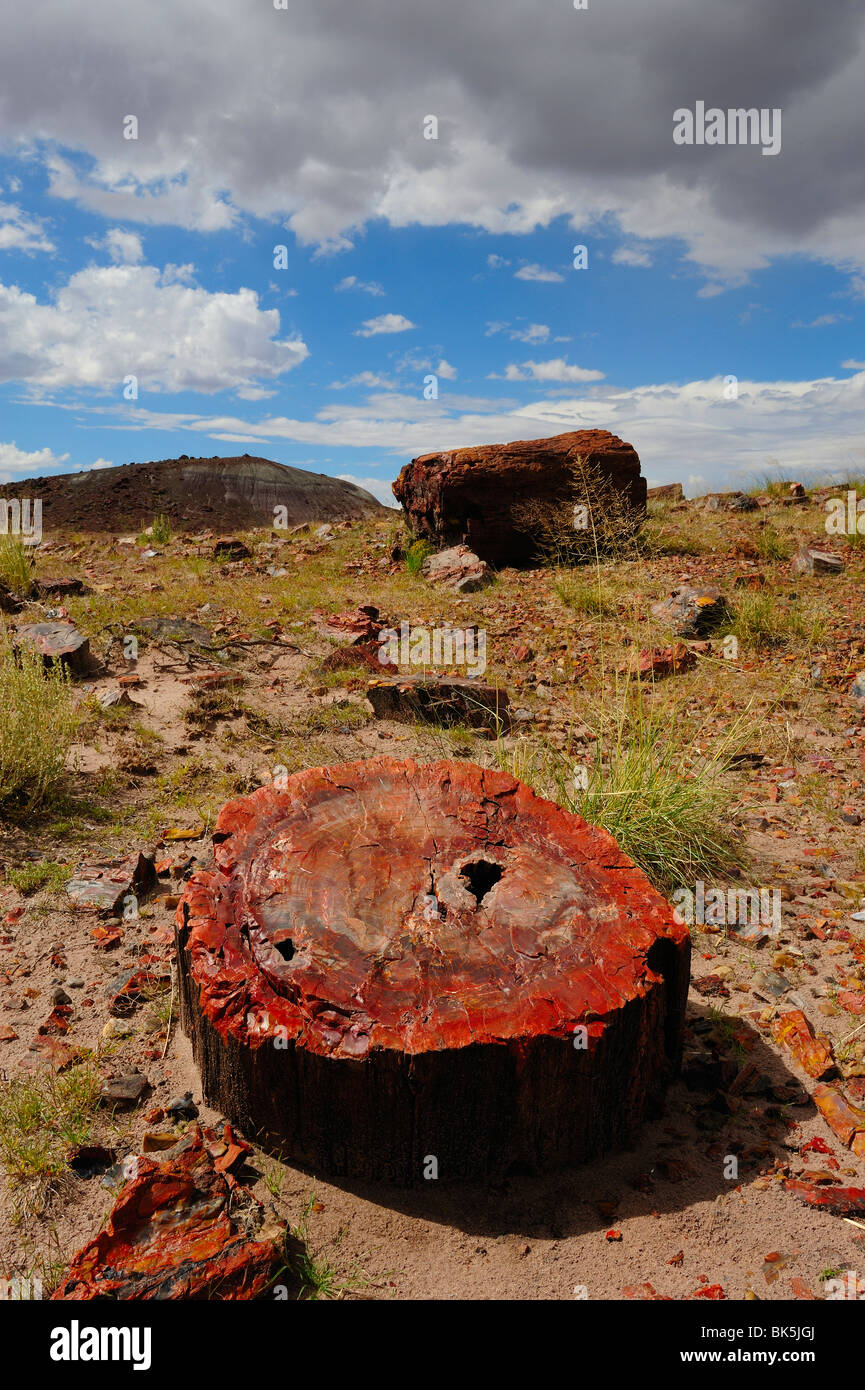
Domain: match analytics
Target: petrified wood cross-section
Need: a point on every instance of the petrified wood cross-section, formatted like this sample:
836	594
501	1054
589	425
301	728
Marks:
401	970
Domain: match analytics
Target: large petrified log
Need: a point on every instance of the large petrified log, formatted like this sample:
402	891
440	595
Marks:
476	495
400	971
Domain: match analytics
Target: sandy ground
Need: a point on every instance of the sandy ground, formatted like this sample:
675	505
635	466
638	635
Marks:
670	1211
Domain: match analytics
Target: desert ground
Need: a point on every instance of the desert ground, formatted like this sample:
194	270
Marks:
740	767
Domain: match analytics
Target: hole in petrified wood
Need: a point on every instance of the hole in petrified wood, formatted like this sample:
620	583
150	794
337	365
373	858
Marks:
480	877
285	948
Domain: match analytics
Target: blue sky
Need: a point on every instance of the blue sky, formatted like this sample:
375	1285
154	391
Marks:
405	256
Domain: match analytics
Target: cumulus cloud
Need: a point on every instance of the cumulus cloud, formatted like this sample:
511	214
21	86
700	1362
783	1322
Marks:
821	321
19	231
445	370
351	282
123	247
371	380
535	333
384	323
537	272
556	369
511	155
631	255
379	487
28	465
108	322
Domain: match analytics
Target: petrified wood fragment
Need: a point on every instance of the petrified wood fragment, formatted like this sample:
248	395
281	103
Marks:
441	700
57	642
474	495
181	1228
398	971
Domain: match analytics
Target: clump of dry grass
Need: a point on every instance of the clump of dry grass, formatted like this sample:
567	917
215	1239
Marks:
38	723
42	1117
16	566
666	807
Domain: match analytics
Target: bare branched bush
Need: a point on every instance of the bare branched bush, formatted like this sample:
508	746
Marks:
592	519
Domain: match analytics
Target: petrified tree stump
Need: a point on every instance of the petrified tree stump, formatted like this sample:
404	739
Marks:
401	971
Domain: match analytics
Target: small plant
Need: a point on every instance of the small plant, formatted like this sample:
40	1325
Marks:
667	809
41	1118
771	545
16	565
345	716
318	1277
590	597
32	878
762	621
161	531
417	552
38	723
274	1177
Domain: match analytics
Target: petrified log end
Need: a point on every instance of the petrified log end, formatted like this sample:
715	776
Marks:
395	963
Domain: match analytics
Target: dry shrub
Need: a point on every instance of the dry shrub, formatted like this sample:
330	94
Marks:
611	526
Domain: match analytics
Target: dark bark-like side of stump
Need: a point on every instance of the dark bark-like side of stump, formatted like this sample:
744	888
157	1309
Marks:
340	1019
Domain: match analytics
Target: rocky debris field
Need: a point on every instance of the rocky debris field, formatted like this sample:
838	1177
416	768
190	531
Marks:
204	665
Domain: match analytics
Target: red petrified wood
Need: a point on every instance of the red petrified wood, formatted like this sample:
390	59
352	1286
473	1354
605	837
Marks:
401	971
181	1228
470	494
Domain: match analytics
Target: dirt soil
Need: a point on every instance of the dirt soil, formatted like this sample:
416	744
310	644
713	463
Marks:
669	1212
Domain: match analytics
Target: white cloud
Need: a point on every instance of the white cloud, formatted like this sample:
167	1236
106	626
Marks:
218	146
810	427
631	255
351	282
123	247
385	323
446	370
30	465
852	364
535	333
496	262
166	196
538	273
822	321
368	379
379	487
556	369
112	321
20	231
